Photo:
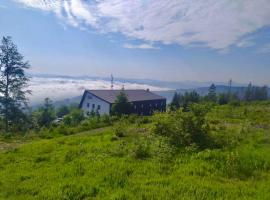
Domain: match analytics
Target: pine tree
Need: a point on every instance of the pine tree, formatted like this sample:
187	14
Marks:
248	93
260	93
13	83
188	99
175	104
264	93
47	113
212	96
121	105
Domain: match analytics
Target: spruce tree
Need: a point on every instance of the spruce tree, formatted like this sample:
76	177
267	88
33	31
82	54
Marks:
175	104
249	92
13	83
121	105
47	113
212	96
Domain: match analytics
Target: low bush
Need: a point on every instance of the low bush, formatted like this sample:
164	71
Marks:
120	129
142	150
64	130
143	120
185	128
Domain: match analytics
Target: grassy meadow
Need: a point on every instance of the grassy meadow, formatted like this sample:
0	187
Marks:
129	161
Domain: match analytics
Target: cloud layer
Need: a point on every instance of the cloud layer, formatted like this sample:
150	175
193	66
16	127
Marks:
211	23
139	46
59	88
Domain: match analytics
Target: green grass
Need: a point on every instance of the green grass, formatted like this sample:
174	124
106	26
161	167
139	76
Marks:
141	165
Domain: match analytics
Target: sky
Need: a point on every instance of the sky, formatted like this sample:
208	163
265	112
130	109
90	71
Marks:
170	40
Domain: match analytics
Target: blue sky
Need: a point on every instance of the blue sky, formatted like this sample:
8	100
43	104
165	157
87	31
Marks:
177	40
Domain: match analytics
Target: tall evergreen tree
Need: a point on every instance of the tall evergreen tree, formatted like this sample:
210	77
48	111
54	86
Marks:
189	98
47	113
121	105
248	93
175	104
212	96
255	93
260	93
13	82
264	94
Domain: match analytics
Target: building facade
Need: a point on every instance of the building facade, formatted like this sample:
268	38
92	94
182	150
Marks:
143	102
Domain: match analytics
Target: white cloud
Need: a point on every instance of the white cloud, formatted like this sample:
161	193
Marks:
59	88
140	46
211	23
247	42
264	49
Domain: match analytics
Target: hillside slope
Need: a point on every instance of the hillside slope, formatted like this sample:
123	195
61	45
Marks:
140	165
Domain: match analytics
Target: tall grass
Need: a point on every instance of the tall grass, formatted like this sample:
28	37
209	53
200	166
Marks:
143	165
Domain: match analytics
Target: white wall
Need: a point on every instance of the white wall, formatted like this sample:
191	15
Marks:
91	99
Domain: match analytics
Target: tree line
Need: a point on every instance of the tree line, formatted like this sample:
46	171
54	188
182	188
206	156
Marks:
251	93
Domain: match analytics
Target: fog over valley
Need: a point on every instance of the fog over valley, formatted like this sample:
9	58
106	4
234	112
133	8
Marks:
59	88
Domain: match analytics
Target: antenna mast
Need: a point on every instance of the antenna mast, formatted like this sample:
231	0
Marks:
111	82
230	86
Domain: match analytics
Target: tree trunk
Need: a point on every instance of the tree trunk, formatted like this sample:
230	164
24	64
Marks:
6	105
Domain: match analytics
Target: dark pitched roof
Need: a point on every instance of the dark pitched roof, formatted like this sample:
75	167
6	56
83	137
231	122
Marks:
133	95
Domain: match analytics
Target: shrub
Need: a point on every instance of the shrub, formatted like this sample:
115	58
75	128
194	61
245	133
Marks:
90	123
67	120
142	120
63	130
74	118
185	128
46	133
142	150
120	129
106	120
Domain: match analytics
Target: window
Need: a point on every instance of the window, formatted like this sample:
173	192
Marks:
135	107
88	105
142	105
150	105
98	107
93	106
